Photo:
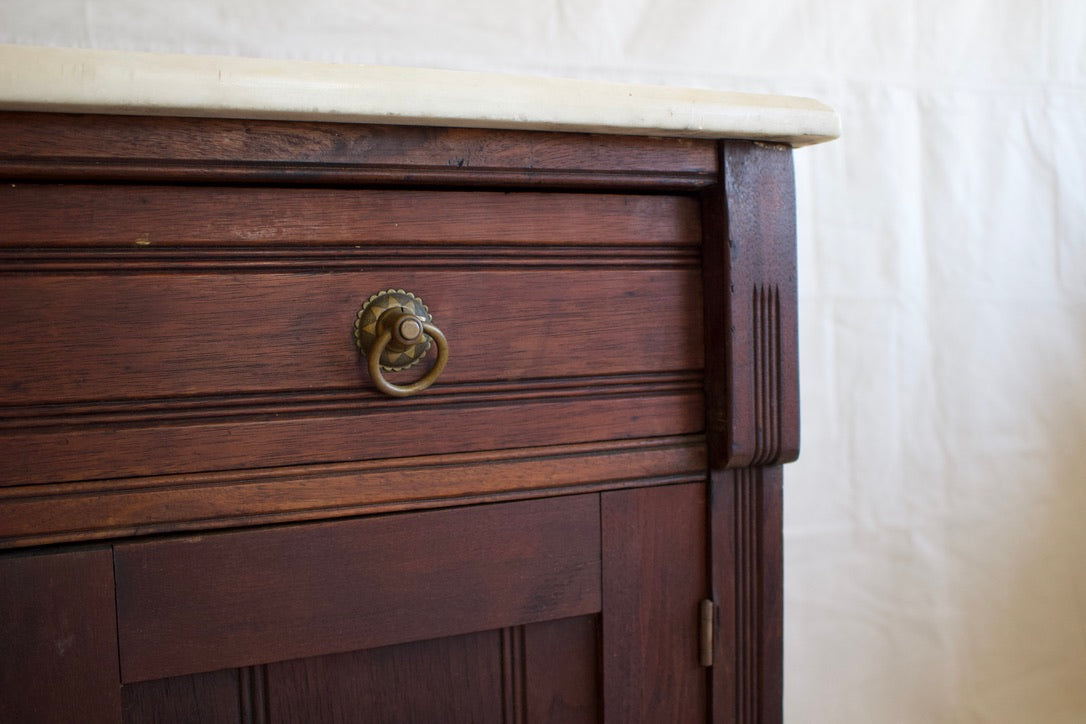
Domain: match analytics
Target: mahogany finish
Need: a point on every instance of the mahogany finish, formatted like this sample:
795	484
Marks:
58	651
752	370
530	540
654	543
198	604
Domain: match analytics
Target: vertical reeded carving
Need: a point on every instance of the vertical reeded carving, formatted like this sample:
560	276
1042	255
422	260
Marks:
766	328
749	277
253	691
746	518
747	594
514	694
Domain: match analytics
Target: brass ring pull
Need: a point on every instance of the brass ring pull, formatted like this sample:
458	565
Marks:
374	357
394	331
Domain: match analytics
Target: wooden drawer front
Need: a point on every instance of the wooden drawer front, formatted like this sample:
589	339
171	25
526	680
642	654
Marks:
236	599
220	336
71	339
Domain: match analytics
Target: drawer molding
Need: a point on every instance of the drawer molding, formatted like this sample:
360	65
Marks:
32	515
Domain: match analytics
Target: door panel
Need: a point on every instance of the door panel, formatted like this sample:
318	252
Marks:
237	599
543	673
654	578
213	697
58	655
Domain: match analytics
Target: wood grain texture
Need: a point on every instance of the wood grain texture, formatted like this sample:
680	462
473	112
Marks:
209	698
746	513
215	372
455	679
231	599
541	673
654	578
750	308
160	336
514	676
562	672
46	455
58	656
34	515
60	146
138	217
178	298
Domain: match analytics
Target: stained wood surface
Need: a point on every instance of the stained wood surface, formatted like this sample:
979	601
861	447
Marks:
209	698
149	217
178	298
232	599
746	550
752	372
157	366
654	578
40	514
456	679
49	145
561	672
58	655
542	673
162	336
110	452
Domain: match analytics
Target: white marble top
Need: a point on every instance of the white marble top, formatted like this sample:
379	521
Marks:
97	81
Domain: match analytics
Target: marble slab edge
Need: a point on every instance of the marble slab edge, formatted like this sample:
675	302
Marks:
103	81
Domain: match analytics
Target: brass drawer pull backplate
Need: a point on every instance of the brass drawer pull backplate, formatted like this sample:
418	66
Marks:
394	331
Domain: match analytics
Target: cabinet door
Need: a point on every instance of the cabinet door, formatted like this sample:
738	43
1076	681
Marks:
573	609
480	614
58	651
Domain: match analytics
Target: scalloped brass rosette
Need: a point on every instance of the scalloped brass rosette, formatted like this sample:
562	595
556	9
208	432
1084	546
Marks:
394	331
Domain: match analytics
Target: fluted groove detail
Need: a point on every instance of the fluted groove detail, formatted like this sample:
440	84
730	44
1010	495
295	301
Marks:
748	595
767	373
253	692
514	699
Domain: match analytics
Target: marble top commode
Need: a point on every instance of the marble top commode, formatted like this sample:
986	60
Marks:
99	81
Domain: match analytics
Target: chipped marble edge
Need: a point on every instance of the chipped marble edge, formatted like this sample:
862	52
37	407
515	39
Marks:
102	81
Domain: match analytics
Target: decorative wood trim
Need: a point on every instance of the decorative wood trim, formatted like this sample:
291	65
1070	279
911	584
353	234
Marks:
746	507
514	673
49	456
202	260
253	694
39	514
766	334
307	403
61	170
63	147
750	308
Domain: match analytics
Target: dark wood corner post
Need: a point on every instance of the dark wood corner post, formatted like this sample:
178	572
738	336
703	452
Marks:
752	409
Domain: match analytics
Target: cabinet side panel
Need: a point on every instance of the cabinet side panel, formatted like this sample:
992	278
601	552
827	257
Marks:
58	632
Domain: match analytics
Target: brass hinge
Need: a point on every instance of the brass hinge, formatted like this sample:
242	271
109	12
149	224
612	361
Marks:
705	643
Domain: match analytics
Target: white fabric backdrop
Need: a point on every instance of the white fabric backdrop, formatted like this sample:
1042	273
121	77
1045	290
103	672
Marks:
935	537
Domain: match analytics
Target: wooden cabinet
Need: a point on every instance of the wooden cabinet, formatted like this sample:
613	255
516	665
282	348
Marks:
208	513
